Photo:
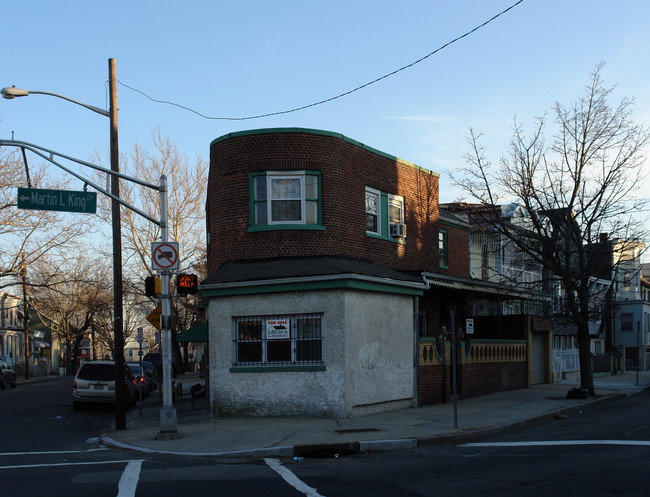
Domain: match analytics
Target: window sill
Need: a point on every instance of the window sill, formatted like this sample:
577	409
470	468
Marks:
401	241
277	369
284	227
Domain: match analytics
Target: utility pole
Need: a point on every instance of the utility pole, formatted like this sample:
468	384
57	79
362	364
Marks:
118	322
23	274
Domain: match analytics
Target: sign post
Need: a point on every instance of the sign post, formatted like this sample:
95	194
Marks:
140	383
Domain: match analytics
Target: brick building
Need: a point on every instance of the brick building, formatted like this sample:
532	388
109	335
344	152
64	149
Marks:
329	264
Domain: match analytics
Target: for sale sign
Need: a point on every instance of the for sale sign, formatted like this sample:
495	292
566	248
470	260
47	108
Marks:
277	329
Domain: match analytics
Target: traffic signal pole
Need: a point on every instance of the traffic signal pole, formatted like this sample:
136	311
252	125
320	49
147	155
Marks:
168	421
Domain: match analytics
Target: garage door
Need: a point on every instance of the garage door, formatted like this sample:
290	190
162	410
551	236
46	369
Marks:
538	355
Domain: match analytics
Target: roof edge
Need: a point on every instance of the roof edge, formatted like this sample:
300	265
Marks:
311	131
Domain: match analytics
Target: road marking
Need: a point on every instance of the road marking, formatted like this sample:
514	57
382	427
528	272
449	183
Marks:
50	465
635	429
129	480
644	443
51	452
291	479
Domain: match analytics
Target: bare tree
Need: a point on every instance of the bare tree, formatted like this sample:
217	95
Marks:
70	297
582	185
30	233
187	180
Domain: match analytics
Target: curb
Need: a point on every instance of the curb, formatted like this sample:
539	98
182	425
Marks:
365	447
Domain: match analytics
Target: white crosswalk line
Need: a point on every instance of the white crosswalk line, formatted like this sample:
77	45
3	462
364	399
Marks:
129	479
550	443
291	479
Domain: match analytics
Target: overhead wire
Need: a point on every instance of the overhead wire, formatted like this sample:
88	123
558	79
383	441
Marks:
340	95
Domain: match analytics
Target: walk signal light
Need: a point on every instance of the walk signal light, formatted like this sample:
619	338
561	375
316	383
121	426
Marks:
187	284
152	286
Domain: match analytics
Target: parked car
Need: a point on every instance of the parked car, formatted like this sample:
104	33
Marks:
152	373
140	378
7	376
95	383
156	359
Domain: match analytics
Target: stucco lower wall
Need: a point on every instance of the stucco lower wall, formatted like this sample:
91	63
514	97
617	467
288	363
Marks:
367	351
379	351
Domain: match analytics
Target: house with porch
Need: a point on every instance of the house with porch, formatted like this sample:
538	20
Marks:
335	283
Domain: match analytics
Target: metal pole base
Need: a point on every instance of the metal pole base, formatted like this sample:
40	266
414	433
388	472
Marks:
168	424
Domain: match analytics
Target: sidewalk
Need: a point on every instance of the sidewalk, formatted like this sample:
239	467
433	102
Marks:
407	428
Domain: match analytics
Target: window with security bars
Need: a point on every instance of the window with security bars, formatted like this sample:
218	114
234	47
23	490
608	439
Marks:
278	340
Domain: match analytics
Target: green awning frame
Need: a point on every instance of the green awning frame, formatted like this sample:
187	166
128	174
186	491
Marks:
198	333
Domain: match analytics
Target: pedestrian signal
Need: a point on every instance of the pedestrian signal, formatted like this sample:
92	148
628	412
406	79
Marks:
187	284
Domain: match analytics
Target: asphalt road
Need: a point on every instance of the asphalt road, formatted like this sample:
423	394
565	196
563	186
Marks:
50	450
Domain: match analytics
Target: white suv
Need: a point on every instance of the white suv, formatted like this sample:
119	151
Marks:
95	382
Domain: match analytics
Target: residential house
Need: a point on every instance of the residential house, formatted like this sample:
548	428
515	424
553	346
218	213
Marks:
518	295
631	316
335	282
12	338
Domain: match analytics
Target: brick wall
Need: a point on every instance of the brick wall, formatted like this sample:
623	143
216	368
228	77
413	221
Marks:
485	378
346	169
473	380
458	251
434	385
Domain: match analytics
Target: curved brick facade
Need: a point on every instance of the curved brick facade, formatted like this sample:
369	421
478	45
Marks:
346	169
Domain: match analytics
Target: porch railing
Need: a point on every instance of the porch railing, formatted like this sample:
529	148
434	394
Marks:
434	352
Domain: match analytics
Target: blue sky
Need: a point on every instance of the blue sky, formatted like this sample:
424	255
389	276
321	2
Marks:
238	59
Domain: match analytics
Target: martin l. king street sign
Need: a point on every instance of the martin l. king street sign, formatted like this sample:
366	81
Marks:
57	200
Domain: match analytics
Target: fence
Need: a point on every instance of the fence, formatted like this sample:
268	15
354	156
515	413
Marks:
568	361
565	361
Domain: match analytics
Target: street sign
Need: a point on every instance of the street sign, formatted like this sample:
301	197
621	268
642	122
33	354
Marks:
164	256
57	200
154	317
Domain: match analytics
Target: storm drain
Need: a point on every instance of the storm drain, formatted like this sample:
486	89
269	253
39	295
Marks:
326	450
356	430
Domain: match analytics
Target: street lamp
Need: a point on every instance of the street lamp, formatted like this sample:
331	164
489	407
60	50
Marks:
13	92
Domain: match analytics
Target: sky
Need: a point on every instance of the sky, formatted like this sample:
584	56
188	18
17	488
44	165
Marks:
240	59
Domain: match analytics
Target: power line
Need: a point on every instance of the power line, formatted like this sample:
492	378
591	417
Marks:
340	95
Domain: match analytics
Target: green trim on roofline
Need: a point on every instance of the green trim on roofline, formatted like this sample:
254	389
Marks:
263	131
348	284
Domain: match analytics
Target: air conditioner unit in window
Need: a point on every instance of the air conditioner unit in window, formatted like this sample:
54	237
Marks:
397	230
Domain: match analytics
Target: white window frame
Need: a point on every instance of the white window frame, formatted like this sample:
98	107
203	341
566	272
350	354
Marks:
270	176
377	194
396	200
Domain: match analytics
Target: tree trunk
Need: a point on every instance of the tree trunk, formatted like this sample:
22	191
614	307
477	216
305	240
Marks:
586	367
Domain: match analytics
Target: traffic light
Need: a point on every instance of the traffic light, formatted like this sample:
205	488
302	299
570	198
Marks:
152	286
187	284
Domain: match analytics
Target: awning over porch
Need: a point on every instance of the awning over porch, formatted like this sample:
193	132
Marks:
198	333
472	285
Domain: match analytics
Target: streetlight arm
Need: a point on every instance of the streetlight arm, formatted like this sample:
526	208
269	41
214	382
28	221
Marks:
13	92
